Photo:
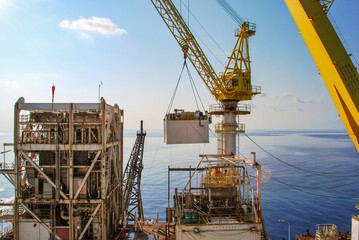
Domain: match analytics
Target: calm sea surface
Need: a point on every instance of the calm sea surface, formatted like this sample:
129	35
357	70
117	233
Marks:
321	188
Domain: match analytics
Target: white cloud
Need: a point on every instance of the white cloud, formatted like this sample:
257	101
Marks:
93	25
285	94
294	98
298	100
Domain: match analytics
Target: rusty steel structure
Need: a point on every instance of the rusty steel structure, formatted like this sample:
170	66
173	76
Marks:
68	170
132	180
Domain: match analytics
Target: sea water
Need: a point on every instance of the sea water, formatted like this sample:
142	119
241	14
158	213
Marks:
320	186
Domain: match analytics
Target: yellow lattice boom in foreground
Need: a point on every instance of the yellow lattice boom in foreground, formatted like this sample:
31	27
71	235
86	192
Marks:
335	66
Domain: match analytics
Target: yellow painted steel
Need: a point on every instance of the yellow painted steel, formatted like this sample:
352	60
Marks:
235	84
335	66
237	74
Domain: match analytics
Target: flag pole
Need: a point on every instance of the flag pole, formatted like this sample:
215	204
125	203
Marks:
53	95
99	92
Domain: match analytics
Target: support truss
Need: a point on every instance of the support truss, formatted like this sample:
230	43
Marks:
68	169
132	179
326	4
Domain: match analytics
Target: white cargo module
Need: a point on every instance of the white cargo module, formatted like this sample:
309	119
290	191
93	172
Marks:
355	227
33	230
186	127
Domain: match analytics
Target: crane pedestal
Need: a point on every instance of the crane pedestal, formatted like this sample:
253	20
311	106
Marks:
229	127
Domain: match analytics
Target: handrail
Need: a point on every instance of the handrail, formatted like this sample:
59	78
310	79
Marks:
240	108
229	127
7	166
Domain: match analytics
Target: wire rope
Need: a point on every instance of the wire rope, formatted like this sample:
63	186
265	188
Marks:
195	88
231	12
343	38
311	193
212	131
174	93
193	91
325	174
331	187
209	35
204	44
149	171
300	188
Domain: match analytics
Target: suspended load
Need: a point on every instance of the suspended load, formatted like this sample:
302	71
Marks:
186	127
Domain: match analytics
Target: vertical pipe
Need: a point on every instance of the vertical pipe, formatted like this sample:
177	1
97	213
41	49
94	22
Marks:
103	169
237	147
121	117
190	178
115	162
17	177
57	173
103	221
288	231
71	174
168	207
230	127
259	187
57	182
4	158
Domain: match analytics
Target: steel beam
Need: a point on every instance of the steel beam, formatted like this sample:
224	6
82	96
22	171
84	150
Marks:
71	172
87	175
89	222
42	173
40	221
108	127
17	172
9	179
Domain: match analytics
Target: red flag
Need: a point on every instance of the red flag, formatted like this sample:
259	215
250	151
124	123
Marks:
53	92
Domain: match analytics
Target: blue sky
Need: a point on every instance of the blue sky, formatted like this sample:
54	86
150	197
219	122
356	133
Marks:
126	45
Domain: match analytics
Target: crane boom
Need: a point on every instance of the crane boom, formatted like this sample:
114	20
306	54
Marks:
335	66
233	86
189	45
235	83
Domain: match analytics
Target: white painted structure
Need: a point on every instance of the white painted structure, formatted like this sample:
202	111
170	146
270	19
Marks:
355	228
226	231
32	230
186	131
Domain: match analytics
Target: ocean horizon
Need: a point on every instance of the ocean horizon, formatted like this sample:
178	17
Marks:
314	175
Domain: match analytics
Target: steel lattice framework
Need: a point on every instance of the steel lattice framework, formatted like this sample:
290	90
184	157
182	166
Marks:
68	169
132	179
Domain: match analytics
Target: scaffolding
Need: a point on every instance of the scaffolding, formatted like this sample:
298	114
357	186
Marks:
68	170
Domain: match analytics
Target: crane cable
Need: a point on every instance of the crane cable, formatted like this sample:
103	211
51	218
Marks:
209	35
300	188
193	86
194	89
174	93
323	174
311	193
231	12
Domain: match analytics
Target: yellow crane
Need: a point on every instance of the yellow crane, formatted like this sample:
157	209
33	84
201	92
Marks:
334	63
230	87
